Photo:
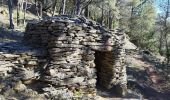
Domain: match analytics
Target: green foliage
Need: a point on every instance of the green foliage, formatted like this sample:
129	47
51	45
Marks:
142	25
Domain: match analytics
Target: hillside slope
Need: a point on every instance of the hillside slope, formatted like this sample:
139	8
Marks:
148	75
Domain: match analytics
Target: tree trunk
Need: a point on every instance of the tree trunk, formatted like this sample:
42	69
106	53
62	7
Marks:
161	43
63	7
18	12
37	8
110	20
10	14
40	8
102	16
73	12
167	49
78	10
54	7
25	9
86	13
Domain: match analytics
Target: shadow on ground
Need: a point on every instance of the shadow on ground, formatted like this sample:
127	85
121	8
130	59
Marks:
139	80
7	35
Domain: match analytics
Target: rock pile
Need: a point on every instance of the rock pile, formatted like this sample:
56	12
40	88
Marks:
19	65
80	52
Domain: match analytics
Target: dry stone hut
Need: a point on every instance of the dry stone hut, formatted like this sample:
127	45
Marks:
81	53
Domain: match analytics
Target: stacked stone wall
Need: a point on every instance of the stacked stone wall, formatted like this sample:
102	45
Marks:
71	43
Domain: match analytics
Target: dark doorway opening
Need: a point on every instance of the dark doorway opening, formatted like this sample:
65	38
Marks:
104	62
98	62
104	66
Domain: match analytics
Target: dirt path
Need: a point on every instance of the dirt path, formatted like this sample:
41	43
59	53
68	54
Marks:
149	80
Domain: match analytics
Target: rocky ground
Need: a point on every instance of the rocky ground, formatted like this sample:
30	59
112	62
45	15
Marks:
147	76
